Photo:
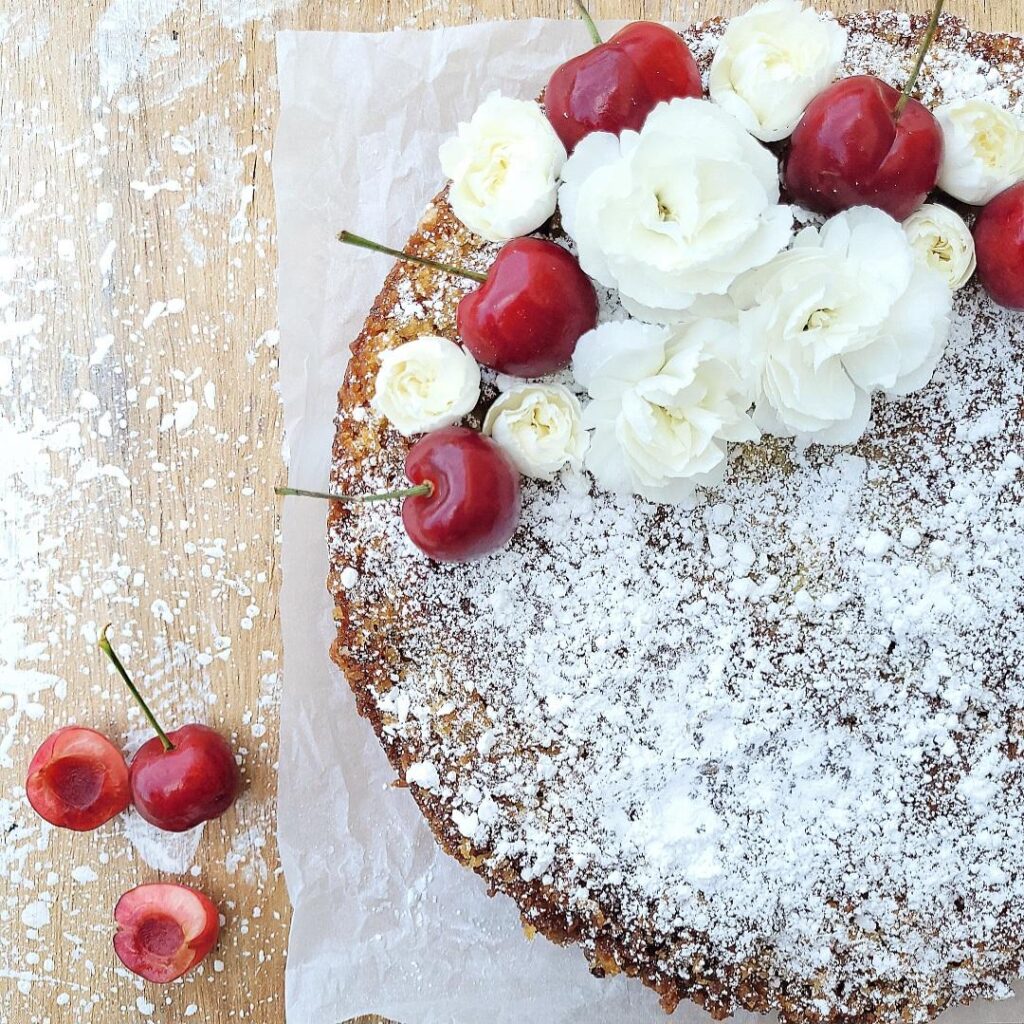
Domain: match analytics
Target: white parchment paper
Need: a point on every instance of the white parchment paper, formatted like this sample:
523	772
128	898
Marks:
384	922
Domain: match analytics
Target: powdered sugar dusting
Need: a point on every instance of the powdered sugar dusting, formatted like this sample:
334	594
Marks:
777	738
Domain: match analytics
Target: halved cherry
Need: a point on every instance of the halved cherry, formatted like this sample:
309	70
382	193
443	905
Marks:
164	930
77	779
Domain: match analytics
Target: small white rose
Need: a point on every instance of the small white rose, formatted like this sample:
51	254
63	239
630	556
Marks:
540	428
504	165
771	62
848	310
675	211
666	402
984	150
941	237
426	384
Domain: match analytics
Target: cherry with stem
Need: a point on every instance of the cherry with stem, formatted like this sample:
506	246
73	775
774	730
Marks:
180	779
528	311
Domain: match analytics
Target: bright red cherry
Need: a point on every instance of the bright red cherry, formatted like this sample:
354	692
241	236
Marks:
531	308
617	84
863	143
473	504
465	499
192	781
999	238
77	779
164	930
526	318
183	778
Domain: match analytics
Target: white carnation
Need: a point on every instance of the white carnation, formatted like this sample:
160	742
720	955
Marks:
665	403
984	150
771	62
941	237
426	384
847	311
540	428
675	211
504	165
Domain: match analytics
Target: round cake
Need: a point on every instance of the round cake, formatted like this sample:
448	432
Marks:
764	753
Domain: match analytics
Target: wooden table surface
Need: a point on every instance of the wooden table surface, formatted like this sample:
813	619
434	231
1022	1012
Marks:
140	439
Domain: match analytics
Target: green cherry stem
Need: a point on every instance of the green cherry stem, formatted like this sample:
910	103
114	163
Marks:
589	22
922	52
420	490
366	243
106	648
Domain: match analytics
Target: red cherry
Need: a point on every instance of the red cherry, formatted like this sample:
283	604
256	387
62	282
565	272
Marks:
617	84
531	308
526	318
178	780
473	505
864	143
77	779
164	930
194	781
999	238
850	149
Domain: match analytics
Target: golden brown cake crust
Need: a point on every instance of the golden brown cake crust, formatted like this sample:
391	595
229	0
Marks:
384	626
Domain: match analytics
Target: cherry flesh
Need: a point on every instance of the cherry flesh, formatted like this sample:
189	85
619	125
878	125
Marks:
999	239
77	779
178	780
194	781
526	318
529	311
850	149
164	930
474	501
617	84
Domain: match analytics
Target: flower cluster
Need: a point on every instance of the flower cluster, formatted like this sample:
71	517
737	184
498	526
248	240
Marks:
740	324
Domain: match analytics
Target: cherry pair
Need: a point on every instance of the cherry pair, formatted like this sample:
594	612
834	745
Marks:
78	779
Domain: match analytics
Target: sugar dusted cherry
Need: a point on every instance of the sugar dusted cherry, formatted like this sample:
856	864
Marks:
616	84
999	240
464	501
531	308
863	143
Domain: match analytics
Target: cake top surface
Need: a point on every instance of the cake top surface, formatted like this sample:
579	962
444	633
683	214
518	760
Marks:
781	732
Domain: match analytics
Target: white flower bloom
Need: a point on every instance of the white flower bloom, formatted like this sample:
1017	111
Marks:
847	311
504	166
771	62
941	237
666	401
540	427
984	150
426	384
674	211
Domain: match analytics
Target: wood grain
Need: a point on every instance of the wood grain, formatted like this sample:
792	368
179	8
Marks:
182	552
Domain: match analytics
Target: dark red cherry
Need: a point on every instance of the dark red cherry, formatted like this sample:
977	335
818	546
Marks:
77	779
617	84
180	779
195	780
851	149
531	308
473	504
164	930
999	238
526	318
